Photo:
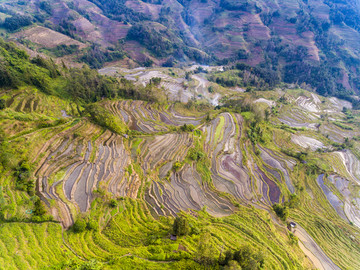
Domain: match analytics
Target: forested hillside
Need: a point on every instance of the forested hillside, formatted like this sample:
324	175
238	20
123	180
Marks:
311	43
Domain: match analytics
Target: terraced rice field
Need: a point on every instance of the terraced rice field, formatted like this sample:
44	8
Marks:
79	167
145	117
32	246
131	230
73	169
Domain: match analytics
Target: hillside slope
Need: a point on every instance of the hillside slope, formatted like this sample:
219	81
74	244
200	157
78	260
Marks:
312	43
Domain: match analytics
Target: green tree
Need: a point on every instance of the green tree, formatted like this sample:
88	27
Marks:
177	166
113	203
39	208
2	104
281	211
180	226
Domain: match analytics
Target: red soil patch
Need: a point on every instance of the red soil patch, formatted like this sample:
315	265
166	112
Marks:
47	37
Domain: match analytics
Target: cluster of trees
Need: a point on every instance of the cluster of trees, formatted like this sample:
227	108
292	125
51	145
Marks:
341	12
247	76
180	226
16	21
23	175
117	10
158	42
39	212
323	77
207	254
187	127
2	104
82	224
87	85
177	166
104	118
196	155
246	6
300	155
67	28
155	80
281	211
165	43
266	78
151	92
63	49
46	7
255	133
244	258
96	57
326	75
245	104
226	82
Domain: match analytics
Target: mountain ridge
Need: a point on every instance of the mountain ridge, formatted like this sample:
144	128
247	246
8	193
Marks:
314	39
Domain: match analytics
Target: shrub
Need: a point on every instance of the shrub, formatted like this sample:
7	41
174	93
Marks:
187	128
39	208
177	166
196	155
156	81
2	104
79	225
113	203
92	225
293	239
294	201
281	211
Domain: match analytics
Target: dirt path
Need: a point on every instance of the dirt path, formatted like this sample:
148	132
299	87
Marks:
313	251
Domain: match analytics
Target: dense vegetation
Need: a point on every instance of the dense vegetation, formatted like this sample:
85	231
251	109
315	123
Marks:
96	57
117	10
84	85
326	62
246	76
16	21
164	43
